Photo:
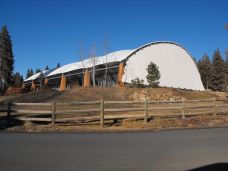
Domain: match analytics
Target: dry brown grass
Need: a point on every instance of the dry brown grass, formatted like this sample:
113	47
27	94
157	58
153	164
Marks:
123	125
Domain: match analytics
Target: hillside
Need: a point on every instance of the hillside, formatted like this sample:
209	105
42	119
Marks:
90	94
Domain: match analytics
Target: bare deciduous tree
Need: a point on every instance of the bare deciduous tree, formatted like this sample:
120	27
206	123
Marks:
106	51
93	60
81	55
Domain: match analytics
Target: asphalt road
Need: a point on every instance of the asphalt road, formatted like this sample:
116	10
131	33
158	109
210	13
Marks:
166	150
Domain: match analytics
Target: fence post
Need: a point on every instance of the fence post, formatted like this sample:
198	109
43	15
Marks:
8	112
146	111
183	109
215	108
102	113
53	106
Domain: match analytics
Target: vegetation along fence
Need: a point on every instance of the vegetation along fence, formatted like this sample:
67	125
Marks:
108	110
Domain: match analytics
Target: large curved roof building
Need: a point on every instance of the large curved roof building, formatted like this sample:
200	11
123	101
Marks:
176	65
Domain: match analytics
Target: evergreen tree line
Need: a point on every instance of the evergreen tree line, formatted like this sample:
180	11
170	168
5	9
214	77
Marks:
7	77
214	73
30	71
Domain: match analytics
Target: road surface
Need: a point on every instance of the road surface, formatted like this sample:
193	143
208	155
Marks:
166	150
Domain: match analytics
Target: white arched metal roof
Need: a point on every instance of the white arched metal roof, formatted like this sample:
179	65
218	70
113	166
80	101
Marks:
111	57
35	76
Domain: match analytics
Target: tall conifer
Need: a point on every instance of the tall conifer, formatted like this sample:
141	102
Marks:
206	71
58	65
46	68
226	71
29	73
6	57
218	80
17	79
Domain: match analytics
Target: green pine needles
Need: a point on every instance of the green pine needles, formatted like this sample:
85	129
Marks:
6	58
153	75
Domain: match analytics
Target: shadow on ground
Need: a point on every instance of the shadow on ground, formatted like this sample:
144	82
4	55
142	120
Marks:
8	123
212	167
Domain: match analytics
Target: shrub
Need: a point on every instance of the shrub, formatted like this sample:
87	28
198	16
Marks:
137	83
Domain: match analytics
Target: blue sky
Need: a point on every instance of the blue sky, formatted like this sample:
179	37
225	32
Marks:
50	31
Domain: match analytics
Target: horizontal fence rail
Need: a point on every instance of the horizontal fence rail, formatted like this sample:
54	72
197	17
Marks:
103	109
31	104
78	103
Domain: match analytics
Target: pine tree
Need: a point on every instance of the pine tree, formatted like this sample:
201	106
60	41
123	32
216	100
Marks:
6	57
153	75
58	65
194	59
226	63
46	68
226	71
218	79
29	73
206	71
17	79
37	70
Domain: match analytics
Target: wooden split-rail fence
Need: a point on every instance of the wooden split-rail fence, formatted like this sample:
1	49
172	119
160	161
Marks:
108	110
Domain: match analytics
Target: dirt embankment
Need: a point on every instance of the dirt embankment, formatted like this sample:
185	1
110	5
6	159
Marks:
112	94
163	94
